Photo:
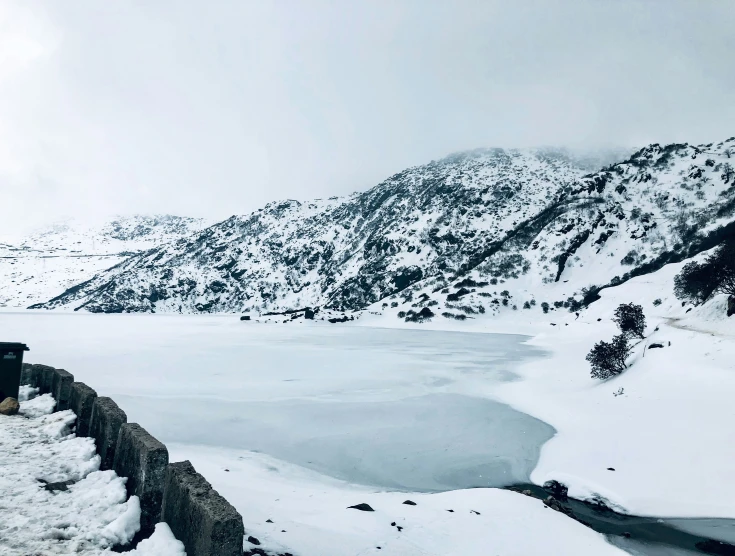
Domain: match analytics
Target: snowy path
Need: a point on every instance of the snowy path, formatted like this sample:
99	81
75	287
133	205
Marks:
40	515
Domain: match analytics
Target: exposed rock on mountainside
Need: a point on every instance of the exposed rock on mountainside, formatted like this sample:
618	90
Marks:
477	232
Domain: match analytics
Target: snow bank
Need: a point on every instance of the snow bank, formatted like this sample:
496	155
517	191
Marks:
666	436
161	542
87	515
309	514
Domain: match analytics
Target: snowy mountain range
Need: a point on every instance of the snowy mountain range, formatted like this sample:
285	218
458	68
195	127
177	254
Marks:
46	262
475	233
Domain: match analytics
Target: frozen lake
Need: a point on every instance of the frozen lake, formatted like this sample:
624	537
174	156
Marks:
395	409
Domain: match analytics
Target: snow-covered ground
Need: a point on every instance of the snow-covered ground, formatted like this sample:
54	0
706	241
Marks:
668	435
296	422
86	517
310	516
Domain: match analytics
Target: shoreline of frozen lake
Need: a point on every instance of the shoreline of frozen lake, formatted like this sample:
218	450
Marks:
392	409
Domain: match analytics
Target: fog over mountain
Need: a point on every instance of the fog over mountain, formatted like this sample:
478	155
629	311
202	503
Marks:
170	108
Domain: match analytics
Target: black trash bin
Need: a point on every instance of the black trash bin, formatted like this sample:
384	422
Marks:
11	362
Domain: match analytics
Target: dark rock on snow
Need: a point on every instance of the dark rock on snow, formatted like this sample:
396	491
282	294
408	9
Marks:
558	490
362	507
61	486
9	406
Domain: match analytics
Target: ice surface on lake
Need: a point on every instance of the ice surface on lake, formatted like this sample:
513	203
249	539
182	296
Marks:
432	442
387	408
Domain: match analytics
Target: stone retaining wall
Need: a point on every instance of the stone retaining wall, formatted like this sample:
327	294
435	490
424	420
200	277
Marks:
175	493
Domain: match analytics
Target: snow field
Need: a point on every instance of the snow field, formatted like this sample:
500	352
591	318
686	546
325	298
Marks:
667	436
89	517
310	515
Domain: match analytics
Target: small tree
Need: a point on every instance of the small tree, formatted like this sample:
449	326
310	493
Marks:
728	173
630	320
716	274
608	358
695	282
545	307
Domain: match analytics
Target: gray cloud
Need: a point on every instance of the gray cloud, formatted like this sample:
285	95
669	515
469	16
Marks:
214	108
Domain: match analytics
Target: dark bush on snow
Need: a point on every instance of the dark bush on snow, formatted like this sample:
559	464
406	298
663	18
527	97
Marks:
470	283
607	359
573	305
716	274
630	320
456	295
545	307
421	316
448	315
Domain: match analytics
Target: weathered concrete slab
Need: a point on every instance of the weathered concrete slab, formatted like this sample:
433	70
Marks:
34	376
143	460
199	517
44	378
26	374
81	401
61	388
104	427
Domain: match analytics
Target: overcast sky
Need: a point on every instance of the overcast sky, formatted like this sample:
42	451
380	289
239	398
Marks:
216	107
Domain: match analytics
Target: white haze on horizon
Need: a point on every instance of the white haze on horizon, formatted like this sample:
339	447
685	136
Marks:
127	107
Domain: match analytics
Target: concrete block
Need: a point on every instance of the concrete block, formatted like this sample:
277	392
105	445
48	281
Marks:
199	517
34	376
81	402
104	427
26	374
143	460
44	378
61	388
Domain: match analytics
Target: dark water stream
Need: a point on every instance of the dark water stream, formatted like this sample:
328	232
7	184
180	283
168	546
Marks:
648	536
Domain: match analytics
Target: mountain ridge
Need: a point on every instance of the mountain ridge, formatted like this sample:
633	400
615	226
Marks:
524	218
51	259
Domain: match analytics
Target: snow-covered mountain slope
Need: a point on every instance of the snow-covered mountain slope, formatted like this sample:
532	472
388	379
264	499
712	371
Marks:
474	233
45	263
